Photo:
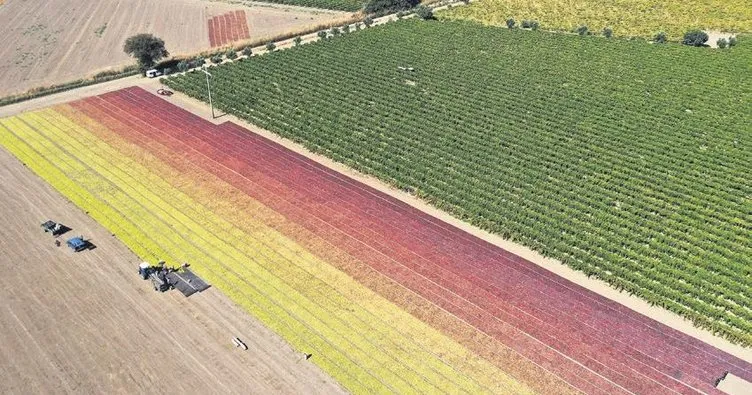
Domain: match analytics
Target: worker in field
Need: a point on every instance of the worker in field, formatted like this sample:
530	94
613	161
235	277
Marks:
57	243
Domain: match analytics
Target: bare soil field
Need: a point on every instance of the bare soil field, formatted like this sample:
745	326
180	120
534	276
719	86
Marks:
87	323
60	41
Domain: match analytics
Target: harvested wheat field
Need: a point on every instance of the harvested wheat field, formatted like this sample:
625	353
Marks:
69	39
87	323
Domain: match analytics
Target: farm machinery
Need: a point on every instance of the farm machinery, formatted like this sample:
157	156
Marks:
78	244
54	228
164	278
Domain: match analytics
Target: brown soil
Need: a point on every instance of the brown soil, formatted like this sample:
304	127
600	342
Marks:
85	322
54	43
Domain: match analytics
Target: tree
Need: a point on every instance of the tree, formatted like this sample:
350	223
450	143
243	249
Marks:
297	41
147	49
183	66
722	43
248	51
231	54
424	12
510	23
695	38
368	21
608	32
660	38
270	46
582	30
383	7
731	41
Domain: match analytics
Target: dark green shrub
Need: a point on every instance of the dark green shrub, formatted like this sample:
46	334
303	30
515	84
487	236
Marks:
424	12
695	38
383	7
322	34
216	59
582	30
660	38
183	66
297	41
231	54
722	43
270	46
731	41
607	32
247	51
368	21
510	23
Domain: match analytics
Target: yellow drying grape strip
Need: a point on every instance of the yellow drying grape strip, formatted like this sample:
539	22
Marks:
263	307
280	269
300	281
58	178
279	244
627	17
295	254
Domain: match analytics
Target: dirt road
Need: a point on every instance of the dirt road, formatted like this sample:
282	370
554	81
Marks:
87	323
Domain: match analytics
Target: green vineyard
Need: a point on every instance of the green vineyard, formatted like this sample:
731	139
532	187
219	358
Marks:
625	160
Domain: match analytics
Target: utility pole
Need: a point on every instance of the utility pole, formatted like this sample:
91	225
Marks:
208	88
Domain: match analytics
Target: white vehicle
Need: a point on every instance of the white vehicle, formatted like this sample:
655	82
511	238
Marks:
153	73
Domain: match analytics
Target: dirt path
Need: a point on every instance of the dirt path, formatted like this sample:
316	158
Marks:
84	323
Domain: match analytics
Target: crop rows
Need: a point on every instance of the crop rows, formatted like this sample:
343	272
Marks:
624	172
365	342
641	18
386	297
161	146
445	279
227	28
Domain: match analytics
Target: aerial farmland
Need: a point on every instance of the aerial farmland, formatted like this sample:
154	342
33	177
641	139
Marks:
490	197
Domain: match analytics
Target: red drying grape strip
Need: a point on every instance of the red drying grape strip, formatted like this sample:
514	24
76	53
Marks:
243	21
212	33
221	30
232	33
552	361
204	125
560	365
535	376
589	301
597	365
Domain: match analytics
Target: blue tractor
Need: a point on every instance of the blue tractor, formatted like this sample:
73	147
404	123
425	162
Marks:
78	244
